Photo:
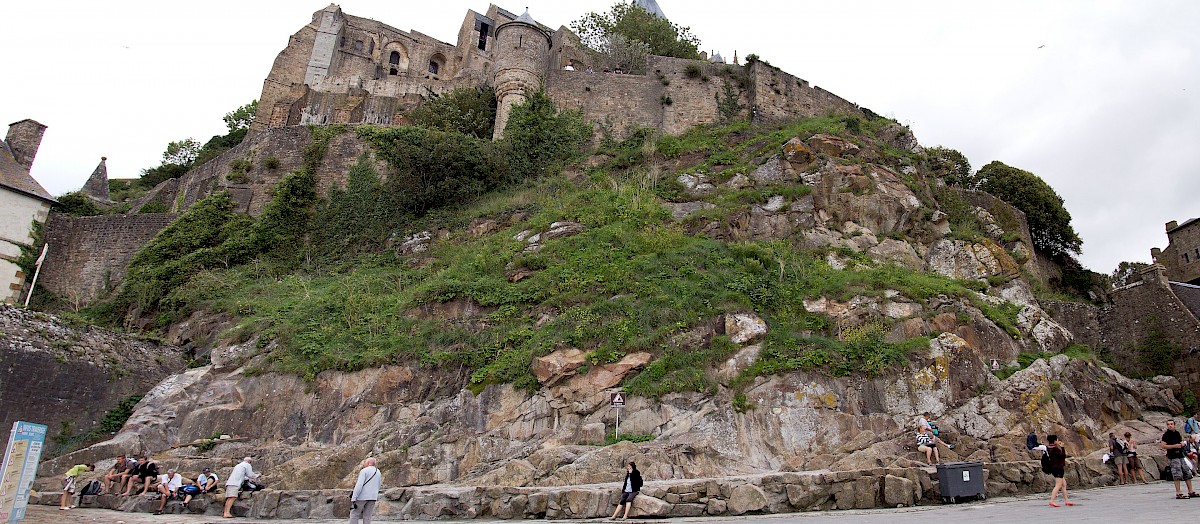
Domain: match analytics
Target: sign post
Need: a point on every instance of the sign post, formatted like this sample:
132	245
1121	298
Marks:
19	469
617	400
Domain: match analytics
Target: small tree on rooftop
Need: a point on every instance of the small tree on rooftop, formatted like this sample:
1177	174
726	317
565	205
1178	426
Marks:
661	37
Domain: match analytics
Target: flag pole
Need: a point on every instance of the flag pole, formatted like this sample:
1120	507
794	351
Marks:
37	271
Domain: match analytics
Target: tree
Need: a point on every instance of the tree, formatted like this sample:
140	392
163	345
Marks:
1127	272
241	117
181	152
663	38
1049	221
540	138
467	110
950	165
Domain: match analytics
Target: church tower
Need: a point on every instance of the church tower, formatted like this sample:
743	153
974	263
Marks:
522	56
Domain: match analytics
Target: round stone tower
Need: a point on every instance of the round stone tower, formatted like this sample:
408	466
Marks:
522	56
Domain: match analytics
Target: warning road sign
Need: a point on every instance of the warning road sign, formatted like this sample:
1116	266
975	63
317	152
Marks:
616	399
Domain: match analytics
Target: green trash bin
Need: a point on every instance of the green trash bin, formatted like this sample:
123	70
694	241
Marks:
960	480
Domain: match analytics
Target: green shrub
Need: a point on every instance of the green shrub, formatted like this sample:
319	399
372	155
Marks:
466	110
540	139
692	71
270	162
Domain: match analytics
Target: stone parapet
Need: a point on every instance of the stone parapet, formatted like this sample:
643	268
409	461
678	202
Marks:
784	492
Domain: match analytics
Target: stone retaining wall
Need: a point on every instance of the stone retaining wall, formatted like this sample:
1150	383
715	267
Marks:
729	496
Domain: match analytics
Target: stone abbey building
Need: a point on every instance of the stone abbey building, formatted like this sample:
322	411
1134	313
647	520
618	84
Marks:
343	69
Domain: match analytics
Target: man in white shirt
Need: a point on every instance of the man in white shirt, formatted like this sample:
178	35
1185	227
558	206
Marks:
233	486
366	492
168	486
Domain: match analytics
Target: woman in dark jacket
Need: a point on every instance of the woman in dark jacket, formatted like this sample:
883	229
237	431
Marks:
629	489
1058	467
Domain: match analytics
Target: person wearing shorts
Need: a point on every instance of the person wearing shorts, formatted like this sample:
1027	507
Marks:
1058	469
69	482
1172	441
629	490
1135	465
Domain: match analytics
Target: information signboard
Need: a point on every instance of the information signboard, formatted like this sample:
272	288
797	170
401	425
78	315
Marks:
20	468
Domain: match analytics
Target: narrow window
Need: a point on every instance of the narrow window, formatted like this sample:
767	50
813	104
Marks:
394	72
433	67
484	30
342	42
1185	258
394	59
372	49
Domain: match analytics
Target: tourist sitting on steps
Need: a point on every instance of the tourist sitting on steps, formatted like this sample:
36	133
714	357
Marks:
168	487
927	444
207	480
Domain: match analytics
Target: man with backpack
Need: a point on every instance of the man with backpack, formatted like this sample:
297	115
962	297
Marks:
1116	449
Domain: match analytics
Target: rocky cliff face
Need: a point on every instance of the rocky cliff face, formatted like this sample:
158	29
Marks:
429	428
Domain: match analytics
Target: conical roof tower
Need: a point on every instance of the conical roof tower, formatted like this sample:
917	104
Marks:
96	187
651	6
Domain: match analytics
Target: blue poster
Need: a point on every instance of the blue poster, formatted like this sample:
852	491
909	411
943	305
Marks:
20	467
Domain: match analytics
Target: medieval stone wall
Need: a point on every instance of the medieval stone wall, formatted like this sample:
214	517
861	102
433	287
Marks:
1143	307
88	256
778	95
1081	319
1181	258
56	374
251	190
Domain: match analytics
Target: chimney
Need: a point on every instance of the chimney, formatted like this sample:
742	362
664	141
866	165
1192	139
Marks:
1172	225
23	139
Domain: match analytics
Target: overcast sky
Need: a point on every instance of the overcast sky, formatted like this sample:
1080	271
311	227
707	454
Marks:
1100	99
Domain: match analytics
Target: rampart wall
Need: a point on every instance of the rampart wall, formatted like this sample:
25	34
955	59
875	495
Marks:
88	256
1144	307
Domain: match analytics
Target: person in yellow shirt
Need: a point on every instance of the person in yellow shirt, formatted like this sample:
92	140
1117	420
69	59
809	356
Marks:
69	483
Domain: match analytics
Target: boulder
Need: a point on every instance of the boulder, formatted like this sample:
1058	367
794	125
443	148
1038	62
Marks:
832	145
563	229
744	327
553	368
969	261
745	499
647	506
897	252
682	210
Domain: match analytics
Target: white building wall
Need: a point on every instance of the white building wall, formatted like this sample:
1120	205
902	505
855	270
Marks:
17	213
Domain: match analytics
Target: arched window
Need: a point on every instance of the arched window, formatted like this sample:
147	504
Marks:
394	59
436	63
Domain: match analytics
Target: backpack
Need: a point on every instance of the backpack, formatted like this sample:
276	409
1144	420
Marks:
1123	447
933	427
1031	441
252	485
1046	462
93	487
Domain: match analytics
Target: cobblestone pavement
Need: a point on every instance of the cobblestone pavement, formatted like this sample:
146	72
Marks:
1135	503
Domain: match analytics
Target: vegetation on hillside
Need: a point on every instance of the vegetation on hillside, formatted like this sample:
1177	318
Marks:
317	282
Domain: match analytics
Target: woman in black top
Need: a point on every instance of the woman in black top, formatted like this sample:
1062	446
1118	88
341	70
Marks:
1058	468
629	489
